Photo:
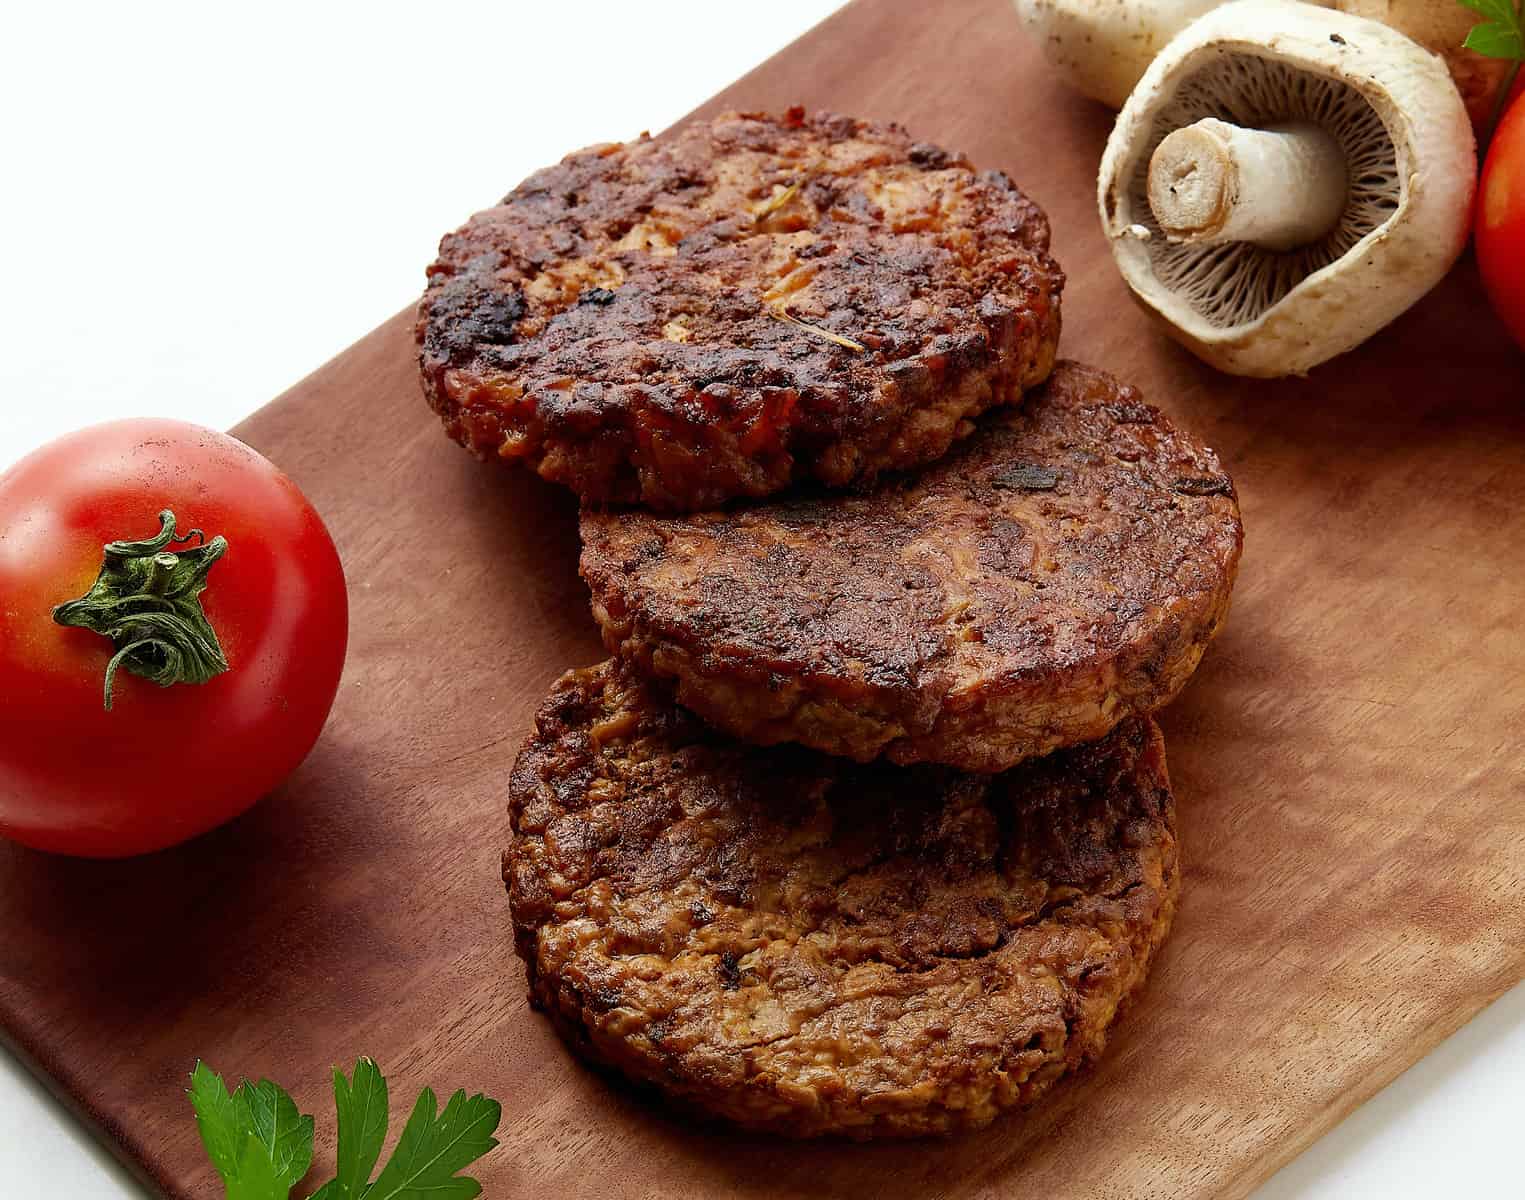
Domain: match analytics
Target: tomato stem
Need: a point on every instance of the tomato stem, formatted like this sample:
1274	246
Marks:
161	572
147	601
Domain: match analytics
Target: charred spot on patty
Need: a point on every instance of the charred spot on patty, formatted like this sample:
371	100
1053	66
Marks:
473	314
1026	477
1211	485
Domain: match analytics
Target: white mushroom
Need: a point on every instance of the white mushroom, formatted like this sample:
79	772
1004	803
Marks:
1104	46
1299	176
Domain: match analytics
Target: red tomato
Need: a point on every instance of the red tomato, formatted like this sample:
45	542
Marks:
1500	229
165	762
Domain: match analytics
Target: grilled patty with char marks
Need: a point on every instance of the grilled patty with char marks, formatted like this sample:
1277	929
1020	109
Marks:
804	945
749	303
1060	570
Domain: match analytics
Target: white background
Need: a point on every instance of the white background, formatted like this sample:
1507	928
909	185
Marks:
203	203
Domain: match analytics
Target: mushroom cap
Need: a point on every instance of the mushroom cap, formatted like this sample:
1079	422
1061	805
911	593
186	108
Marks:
1103	46
1391	104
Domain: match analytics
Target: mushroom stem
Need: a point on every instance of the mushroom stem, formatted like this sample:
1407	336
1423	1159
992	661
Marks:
1279	187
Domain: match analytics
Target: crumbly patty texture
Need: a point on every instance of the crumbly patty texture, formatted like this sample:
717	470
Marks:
746	304
809	946
1060	570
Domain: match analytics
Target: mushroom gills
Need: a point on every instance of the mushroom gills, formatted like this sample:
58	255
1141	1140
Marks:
1233	283
1279	187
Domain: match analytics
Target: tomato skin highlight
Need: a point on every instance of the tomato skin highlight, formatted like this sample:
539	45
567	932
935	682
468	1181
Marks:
1500	230
165	763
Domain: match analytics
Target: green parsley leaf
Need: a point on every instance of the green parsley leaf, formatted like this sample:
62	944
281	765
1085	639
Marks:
1500	35
1496	41
217	1118
256	1139
262	1146
362	1106
432	1149
255	1177
284	1134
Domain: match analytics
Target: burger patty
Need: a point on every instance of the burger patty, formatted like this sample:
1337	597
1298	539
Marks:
1059	571
809	946
749	303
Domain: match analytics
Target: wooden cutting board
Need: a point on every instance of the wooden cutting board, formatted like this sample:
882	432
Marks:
1348	759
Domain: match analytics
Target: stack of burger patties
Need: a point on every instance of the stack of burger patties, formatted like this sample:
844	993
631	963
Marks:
864	828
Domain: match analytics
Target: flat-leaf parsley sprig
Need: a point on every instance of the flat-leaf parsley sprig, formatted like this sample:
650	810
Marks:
1501	34
262	1146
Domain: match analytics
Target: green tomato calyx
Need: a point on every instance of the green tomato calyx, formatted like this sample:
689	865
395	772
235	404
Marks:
147	601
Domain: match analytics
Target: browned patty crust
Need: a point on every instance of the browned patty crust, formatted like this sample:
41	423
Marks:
1060	570
805	945
750	302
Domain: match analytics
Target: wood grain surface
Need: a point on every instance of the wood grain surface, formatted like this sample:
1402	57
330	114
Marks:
1348	759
